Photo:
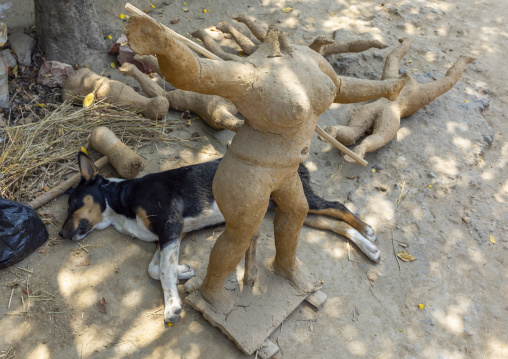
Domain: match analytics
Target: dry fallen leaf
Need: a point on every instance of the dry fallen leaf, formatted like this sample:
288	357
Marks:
287	9
175	21
46	188
421	306
101	304
27	292
88	99
405	256
122	16
492	239
84	262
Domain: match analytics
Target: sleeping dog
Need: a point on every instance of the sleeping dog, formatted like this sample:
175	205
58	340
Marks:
163	206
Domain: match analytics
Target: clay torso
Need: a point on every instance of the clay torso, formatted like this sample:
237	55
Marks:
294	91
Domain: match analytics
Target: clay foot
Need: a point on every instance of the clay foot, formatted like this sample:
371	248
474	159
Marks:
157	108
146	36
220	300
301	277
395	88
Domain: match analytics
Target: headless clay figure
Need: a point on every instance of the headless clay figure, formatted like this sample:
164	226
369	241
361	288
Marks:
383	116
83	81
281	89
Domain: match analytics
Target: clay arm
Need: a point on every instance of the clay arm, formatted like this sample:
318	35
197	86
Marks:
243	41
182	68
327	47
213	47
354	90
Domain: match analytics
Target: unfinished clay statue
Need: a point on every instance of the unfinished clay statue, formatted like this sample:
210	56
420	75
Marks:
219	113
281	89
84	81
383	116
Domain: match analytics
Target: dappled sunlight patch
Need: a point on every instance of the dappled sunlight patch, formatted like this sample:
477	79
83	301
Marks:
476	256
453	127
402	133
381	210
462	143
502	194
357	347
133	298
448	167
334	307
140	331
453	318
41	351
195	327
311	166
316	236
70	282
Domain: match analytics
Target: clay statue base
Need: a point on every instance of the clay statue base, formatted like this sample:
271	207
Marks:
257	311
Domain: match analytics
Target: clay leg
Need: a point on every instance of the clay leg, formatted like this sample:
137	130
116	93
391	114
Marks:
339	47
122	95
149	87
427	93
385	129
289	217
243	41
391	69
361	121
258	32
344	229
242	193
354	90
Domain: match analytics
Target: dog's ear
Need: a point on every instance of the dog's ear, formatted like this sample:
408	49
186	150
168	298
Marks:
87	167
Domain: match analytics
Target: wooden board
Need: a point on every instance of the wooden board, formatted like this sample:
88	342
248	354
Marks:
258	310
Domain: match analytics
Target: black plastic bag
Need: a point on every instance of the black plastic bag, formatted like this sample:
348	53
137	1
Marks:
21	232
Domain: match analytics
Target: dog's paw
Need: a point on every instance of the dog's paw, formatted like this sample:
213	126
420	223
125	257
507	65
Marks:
172	310
185	272
370	234
153	271
370	251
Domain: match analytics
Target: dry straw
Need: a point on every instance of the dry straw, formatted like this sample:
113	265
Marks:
37	156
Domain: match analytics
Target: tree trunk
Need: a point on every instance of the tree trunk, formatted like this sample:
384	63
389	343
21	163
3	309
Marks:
67	30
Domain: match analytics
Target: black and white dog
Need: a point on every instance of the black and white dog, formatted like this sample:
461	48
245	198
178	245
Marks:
162	206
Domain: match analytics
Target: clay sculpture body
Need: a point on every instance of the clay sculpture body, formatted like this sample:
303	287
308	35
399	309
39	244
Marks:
281	89
383	116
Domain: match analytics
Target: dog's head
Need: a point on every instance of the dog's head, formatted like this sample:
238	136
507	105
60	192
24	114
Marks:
86	202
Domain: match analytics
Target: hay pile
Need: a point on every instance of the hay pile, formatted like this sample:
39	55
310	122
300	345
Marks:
37	156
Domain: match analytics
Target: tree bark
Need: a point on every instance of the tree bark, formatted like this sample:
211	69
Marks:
67	30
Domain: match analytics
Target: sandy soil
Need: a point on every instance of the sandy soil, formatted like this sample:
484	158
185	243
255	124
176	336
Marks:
372	309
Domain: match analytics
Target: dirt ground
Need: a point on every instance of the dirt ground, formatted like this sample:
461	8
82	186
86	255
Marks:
457	145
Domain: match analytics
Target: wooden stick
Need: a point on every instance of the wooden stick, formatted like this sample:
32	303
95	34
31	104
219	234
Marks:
133	10
340	146
64	186
249	276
